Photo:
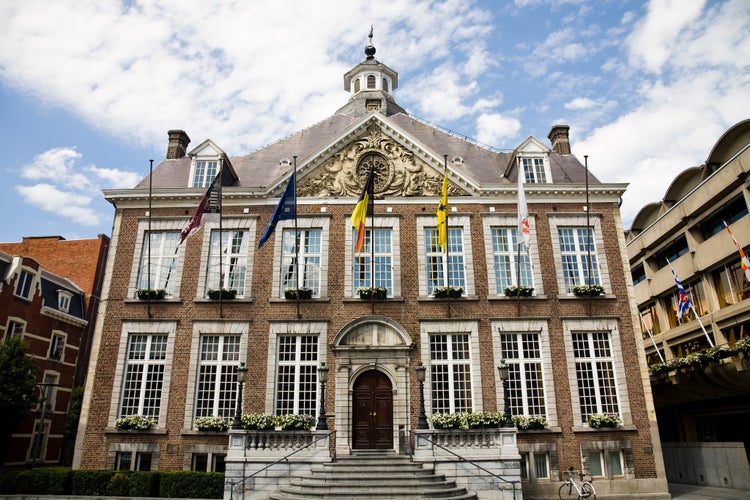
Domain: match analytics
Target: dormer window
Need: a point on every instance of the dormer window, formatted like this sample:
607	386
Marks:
204	172
63	300
371	80
535	170
356	85
23	285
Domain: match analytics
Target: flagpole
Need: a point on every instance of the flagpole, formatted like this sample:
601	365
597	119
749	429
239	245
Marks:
589	232
518	241
648	330
447	240
148	279
221	242
296	237
372	241
690	302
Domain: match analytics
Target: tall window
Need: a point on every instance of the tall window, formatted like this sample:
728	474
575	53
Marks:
229	247
14	329
506	258
144	375
296	374
697	299
307	273
57	346
216	392
204	173
450	373
23	285
650	320
576	246
730	282
523	354
382	263
731	211
438	268
533	169
48	391
534	465
163	254
595	373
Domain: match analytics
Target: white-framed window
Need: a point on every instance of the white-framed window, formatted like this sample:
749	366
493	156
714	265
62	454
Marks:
63	300
48	391
57	346
301	259
231	248
512	268
524	345
295	352
595	373
296	374
15	328
435	270
37	451
144	373
451	355
133	460
523	354
160	271
580	250
208	462
204	172
377	262
23	284
608	459
536	170
534	465
216	385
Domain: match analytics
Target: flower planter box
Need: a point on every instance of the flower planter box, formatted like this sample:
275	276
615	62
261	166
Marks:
370	293
603	421
516	291
444	292
588	291
151	294
224	294
298	293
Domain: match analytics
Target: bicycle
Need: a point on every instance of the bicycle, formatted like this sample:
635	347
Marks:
586	490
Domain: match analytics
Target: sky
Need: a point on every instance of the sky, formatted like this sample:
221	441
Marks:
89	88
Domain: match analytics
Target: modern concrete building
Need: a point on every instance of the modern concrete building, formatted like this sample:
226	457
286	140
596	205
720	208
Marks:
176	358
700	373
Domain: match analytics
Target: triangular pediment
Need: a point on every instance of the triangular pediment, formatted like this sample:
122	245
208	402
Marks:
403	167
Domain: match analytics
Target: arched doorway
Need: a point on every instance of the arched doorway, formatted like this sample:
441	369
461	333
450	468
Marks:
372	413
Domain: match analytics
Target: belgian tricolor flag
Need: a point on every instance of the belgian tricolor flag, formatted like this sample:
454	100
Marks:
359	216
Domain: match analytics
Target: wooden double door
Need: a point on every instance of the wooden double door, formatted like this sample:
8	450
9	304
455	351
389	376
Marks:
372	420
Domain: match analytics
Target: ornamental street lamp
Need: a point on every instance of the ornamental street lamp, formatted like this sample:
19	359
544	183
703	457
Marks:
422	422
504	372
241	377
323	378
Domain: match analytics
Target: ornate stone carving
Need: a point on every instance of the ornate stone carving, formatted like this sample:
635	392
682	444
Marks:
398	171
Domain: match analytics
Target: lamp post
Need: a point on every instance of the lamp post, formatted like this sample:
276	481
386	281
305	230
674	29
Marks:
422	422
323	378
241	377
504	371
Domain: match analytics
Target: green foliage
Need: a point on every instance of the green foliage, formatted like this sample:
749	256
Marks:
266	422
466	420
224	293
514	291
119	485
17	380
211	423
134	423
441	292
144	484
296	422
528	423
588	290
258	421
43	481
8	481
91	482
700	358
188	484
599	420
74	412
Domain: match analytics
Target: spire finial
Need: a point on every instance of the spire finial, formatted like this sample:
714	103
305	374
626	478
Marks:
370	49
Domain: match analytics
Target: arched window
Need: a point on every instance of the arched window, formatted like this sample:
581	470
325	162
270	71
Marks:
385	84
356	85
371	82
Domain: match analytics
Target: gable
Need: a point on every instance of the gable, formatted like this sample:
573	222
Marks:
401	170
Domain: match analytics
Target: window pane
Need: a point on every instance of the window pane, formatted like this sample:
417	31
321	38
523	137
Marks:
540	465
596	469
437	267
578	257
383	261
297	374
450	373
595	376
200	462
159	272
216	390
144	375
522	352
227	261
614	461
307	273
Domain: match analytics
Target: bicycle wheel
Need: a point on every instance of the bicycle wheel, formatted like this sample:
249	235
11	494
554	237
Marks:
566	489
587	491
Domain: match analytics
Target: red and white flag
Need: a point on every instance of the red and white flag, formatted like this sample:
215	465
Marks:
743	258
523	210
210	204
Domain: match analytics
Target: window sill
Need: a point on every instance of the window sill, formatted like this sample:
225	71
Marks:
203	300
463	298
619	428
173	300
547	430
279	300
113	431
528	297
367	301
586	297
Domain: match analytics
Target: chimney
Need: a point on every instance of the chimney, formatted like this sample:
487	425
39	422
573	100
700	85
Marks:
558	136
178	143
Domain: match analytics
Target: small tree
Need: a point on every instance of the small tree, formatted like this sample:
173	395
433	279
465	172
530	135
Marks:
17	383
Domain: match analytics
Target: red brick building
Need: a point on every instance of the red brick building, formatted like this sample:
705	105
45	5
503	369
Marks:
175	359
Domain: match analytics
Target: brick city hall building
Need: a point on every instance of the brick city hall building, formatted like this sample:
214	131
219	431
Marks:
564	357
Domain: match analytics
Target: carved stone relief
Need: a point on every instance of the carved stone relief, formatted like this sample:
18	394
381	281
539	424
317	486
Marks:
398	172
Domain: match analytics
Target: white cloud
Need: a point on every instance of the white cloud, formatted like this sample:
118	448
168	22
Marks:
580	103
496	129
115	179
65	204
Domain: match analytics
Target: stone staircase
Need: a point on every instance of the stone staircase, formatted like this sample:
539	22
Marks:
380	476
